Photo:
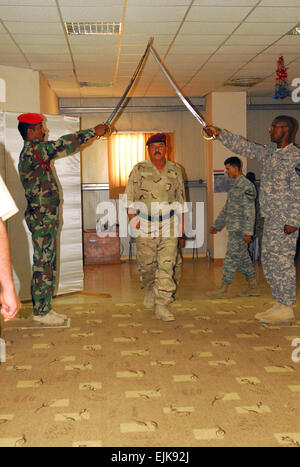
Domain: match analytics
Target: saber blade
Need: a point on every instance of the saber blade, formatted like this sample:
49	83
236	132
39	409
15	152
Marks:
132	80
178	92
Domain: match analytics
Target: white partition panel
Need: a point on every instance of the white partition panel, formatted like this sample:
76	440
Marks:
70	263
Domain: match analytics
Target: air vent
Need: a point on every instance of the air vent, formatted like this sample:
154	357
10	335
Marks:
243	81
93	84
295	31
93	28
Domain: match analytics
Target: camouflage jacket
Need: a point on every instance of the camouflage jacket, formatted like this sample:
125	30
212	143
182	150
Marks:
238	213
280	179
147	184
41	189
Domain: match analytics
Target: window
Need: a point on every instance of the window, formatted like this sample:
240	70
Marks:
124	151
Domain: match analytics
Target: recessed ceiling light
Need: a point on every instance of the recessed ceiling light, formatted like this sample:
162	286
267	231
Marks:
244	81
295	31
93	28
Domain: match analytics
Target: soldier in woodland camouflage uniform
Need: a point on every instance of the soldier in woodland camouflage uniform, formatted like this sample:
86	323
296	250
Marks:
280	207
42	213
238	215
157	180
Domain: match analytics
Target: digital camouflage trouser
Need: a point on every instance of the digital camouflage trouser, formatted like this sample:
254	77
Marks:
156	259
237	257
278	251
43	280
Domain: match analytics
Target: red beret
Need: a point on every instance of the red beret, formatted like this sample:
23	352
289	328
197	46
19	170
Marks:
157	138
31	118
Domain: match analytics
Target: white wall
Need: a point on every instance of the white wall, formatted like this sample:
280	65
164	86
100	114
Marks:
22	90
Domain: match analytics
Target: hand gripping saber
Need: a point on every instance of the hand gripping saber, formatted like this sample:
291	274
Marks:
132	80
180	95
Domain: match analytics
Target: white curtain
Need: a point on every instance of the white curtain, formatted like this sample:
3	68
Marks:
70	263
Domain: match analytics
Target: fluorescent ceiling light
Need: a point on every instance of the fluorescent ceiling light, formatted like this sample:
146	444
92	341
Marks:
93	28
93	84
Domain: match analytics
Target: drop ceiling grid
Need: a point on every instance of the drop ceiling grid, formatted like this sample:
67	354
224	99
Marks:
223	37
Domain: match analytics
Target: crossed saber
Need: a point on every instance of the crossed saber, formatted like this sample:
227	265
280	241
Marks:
188	105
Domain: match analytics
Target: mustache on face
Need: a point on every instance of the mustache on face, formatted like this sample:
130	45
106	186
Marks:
157	152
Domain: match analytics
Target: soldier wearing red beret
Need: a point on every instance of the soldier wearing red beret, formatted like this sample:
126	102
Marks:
42	213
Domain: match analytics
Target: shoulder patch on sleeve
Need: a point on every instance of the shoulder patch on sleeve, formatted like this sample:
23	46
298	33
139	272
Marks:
297	168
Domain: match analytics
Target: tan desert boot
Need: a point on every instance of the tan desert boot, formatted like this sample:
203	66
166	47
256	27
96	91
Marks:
251	290
221	292
149	299
281	314
162	312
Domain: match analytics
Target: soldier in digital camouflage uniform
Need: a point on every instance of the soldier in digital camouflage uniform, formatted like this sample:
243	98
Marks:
42	213
157	180
238	215
280	207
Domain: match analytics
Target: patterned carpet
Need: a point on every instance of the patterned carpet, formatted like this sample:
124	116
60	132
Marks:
119	377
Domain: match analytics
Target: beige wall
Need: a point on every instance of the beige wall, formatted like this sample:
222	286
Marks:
48	98
226	110
189	146
22	90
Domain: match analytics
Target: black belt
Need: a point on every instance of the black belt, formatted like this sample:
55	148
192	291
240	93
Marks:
159	218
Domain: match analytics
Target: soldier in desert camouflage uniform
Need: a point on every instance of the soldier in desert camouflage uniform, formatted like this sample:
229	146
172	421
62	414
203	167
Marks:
157	180
238	215
280	207
42	213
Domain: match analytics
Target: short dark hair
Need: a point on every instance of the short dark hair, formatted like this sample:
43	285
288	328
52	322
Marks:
234	162
291	123
24	127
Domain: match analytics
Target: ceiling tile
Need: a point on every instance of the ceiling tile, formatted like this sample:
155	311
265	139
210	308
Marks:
163	39
92	13
94	3
195	27
288	49
199	39
39	39
273	15
201	49
5	39
150	28
20	27
153	13
29	13
236	39
232	3
49	49
23	3
216	14
264	29
241	49
278	3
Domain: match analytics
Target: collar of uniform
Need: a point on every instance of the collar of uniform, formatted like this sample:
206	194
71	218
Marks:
238	180
34	141
166	167
286	148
